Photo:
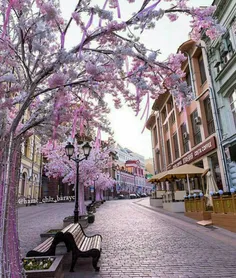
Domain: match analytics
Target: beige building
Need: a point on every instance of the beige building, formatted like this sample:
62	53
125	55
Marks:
149	166
31	168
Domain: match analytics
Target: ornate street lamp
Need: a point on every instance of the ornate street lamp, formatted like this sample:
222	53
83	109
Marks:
94	198
69	149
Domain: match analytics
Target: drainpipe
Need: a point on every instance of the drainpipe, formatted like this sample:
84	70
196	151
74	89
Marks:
216	115
191	73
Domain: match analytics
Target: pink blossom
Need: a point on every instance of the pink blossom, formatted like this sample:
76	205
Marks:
57	80
172	16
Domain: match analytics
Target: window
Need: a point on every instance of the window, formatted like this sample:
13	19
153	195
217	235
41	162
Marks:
202	69
171	107
23	184
164	115
26	147
232	100
196	128
188	79
209	116
176	146
168	151
184	138
226	49
155	136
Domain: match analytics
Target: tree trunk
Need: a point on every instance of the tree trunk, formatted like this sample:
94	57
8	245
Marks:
10	158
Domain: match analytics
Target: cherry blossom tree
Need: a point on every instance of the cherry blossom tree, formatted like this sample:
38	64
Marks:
51	89
95	167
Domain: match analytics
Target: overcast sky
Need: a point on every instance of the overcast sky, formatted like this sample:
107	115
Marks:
167	37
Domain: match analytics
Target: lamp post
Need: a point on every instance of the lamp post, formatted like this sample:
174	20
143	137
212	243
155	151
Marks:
69	149
94	198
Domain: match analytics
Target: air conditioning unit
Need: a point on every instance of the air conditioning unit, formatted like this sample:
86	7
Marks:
197	120
185	135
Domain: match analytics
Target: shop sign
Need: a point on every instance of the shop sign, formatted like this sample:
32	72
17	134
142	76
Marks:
200	151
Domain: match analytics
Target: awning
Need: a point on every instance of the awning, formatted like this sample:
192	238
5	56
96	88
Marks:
158	176
182	171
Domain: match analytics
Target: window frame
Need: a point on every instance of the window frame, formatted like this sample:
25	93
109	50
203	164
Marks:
168	148
185	141
202	70
197	136
209	116
176	146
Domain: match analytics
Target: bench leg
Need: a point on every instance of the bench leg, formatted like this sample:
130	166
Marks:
95	262
74	259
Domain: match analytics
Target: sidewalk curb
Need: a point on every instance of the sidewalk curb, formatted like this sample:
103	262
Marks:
218	230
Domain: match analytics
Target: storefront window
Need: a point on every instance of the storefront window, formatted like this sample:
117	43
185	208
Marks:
197	180
216	171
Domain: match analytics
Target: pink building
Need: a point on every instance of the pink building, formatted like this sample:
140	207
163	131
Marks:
189	135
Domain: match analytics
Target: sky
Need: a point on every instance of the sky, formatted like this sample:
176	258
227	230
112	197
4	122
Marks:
167	37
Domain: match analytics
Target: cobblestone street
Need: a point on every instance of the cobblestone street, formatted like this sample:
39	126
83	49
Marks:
139	241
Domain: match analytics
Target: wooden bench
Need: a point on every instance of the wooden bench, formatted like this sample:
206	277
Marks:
82	245
48	247
76	241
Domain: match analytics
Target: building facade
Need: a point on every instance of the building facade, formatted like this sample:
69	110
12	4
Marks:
130	174
30	169
187	135
221	55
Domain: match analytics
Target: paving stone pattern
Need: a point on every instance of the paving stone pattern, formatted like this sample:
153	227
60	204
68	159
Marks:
139	241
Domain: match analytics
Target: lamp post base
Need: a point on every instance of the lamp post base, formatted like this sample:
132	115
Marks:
76	216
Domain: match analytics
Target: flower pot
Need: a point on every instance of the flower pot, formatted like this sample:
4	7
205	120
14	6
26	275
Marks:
41	267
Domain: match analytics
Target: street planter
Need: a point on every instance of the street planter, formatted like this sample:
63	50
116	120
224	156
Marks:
42	267
83	220
91	218
49	233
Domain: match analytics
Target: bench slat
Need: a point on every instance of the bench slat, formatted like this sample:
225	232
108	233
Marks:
86	244
43	244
